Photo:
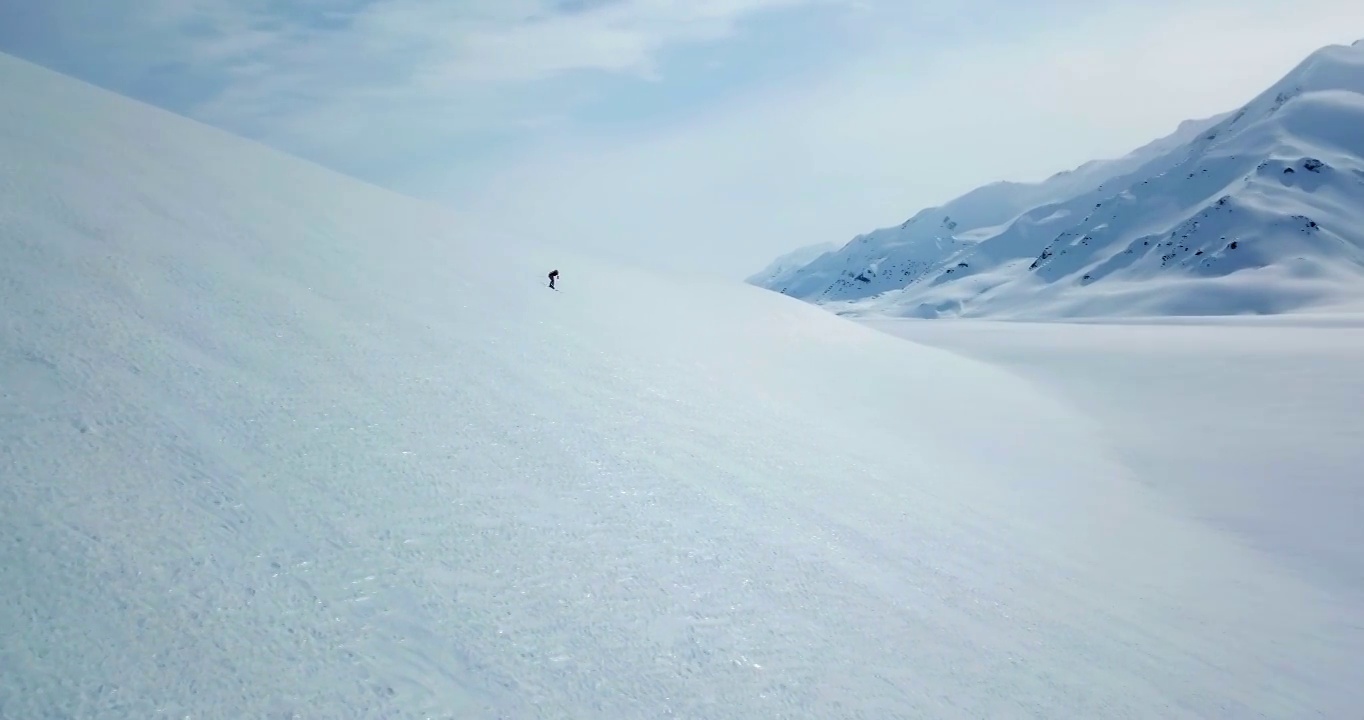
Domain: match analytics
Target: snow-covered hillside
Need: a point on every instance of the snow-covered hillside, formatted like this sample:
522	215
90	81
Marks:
276	443
1260	210
789	263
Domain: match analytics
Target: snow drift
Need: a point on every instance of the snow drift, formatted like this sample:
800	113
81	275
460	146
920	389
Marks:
278	443
1260	210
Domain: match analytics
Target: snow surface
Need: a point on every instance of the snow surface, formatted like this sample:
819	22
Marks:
276	443
1259	211
1255	424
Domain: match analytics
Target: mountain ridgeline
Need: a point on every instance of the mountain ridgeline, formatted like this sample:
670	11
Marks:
1258	210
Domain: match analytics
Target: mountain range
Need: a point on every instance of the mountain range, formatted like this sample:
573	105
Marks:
1258	210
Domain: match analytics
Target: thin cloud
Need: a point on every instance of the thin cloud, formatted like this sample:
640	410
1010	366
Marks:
323	77
291	65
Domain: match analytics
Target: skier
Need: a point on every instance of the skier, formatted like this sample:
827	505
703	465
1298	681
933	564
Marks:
553	275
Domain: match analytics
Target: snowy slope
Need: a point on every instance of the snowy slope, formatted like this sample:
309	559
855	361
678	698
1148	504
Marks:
276	443
1254	422
1262	211
789	263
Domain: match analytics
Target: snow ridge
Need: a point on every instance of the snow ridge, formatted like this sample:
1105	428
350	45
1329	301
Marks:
1259	210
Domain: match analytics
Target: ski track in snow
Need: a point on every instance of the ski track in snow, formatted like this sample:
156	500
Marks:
278	444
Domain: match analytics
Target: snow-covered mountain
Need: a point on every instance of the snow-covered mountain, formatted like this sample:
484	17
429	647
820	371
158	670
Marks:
277	443
789	263
888	258
1259	210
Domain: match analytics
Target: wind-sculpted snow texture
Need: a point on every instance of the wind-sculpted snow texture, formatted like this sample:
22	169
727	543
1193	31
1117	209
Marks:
1260	210
275	443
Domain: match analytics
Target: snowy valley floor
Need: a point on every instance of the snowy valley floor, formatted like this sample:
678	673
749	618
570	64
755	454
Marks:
1255	424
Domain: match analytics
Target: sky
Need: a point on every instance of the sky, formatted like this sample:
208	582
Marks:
695	136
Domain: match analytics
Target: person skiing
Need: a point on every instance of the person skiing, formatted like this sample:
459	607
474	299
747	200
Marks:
553	275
